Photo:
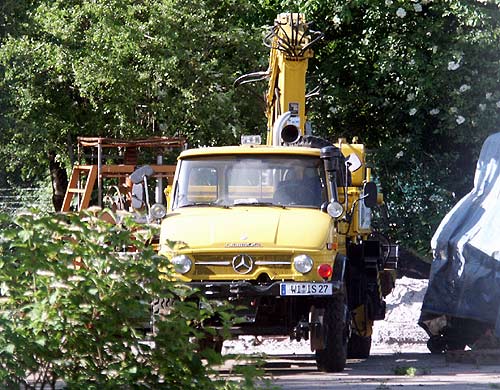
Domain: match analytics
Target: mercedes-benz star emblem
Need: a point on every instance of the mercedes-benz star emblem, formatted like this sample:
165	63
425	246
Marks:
242	264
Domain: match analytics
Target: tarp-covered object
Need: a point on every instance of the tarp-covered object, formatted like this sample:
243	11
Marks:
465	274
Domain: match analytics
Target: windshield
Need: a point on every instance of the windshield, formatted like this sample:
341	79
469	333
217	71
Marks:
230	181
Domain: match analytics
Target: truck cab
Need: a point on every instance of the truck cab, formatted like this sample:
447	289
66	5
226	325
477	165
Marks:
250	213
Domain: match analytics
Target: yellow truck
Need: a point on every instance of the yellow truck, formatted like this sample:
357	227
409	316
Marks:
282	230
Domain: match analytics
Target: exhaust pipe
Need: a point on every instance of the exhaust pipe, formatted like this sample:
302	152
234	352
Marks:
290	134
285	132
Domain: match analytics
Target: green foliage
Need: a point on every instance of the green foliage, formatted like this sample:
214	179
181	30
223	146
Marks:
416	199
407	371
419	80
74	306
124	69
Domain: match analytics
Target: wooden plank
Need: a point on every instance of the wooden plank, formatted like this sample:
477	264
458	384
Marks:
73	184
127	169
151	142
89	185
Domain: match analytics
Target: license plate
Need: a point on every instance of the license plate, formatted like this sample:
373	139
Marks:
306	289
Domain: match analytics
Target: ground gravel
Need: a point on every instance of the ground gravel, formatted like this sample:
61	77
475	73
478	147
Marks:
399	332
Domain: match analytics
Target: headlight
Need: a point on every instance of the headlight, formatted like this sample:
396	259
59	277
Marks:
334	209
157	211
182	264
303	263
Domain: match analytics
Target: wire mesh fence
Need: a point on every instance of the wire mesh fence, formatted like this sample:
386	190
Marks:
13	200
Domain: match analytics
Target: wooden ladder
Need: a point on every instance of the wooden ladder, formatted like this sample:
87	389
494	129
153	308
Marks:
84	193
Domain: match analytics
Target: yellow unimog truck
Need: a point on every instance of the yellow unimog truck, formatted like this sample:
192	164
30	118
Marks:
283	229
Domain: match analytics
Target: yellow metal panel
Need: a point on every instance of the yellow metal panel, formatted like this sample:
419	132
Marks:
212	227
213	236
242	150
292	84
358	177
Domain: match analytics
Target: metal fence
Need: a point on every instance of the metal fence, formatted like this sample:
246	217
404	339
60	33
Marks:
13	200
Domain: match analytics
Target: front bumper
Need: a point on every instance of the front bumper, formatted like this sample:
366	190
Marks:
244	289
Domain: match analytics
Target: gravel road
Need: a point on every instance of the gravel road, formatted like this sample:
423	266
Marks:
399	355
385	371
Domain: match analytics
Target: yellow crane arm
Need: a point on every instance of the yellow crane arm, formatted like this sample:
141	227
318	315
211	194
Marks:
290	40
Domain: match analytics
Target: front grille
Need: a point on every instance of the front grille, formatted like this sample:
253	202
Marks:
209	264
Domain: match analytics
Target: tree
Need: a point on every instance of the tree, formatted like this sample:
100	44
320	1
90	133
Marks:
123	69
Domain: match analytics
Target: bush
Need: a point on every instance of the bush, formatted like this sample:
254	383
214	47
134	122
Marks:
415	193
74	305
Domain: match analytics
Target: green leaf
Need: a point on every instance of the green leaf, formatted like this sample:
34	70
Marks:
24	235
9	348
53	297
41	341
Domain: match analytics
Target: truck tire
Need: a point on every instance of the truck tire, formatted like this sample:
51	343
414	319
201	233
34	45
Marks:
359	347
333	357
440	344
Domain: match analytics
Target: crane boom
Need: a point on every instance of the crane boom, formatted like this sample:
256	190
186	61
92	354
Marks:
290	40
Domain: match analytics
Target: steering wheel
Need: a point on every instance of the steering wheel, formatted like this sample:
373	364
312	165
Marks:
294	193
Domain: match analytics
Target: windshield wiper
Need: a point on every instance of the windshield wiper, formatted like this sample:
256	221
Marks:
261	204
207	204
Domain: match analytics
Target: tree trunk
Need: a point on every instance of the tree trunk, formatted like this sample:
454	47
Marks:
59	179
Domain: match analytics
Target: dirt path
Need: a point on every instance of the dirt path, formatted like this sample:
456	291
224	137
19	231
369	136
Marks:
399	347
384	371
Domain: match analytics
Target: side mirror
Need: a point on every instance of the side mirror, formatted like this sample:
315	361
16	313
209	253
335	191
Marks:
353	163
370	194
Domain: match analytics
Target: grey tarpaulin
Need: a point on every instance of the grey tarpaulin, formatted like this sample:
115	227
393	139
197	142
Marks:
465	274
